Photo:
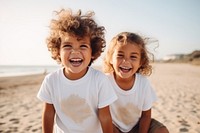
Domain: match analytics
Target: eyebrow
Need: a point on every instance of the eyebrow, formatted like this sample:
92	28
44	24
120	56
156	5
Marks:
66	42
135	53
131	52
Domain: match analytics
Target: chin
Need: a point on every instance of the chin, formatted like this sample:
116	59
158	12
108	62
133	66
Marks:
125	76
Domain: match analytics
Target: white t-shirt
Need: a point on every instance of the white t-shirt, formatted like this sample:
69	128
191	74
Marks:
127	109
77	101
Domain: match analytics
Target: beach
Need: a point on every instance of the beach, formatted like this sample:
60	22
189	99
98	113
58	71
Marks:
177	86
20	110
178	89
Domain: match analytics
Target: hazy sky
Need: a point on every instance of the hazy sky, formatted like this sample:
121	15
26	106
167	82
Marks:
24	25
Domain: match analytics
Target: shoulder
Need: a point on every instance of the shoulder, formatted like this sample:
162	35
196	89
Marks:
53	75
99	77
142	79
97	73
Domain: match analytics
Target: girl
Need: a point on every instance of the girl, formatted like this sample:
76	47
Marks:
127	63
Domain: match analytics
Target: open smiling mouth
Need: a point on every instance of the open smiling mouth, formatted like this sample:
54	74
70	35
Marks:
76	62
125	69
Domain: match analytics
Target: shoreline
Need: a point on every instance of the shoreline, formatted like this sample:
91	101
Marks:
10	71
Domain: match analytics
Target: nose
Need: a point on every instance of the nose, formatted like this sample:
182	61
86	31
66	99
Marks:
75	51
125	60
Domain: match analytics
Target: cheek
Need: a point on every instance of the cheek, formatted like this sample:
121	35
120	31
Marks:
87	52
88	56
115	62
112	58
63	55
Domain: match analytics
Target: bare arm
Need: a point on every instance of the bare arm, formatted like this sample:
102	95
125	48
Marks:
145	121
106	120
48	118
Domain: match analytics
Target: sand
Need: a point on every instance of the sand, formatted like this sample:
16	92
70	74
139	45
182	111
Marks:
20	110
177	87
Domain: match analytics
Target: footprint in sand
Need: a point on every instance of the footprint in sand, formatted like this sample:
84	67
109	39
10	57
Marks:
2	123
185	124
183	129
15	121
28	128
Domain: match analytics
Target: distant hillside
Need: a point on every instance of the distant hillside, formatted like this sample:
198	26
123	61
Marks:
193	58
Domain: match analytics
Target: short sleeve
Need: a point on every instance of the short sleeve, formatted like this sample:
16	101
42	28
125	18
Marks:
106	94
150	97
44	93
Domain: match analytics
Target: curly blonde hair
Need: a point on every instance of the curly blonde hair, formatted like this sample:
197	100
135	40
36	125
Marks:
78	25
124	38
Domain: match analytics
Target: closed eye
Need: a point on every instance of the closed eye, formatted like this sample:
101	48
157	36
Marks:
133	57
66	46
120	55
84	46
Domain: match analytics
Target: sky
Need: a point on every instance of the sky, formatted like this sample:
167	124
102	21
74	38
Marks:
24	25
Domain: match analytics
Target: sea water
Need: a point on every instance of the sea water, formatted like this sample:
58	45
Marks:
6	71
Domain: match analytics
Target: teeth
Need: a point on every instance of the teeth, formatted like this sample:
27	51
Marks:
125	68
76	59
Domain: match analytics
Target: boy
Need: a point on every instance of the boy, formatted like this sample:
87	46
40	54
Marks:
76	94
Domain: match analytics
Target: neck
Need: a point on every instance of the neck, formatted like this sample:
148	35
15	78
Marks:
74	76
125	83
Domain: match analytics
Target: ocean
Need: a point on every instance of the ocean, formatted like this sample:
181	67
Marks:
6	71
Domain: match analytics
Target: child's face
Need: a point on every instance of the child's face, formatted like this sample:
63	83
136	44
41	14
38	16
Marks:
75	54
126	60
